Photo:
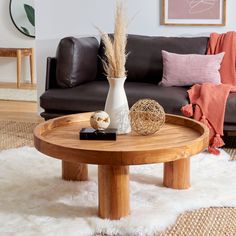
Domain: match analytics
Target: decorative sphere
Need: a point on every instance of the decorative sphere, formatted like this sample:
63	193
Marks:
146	116
99	120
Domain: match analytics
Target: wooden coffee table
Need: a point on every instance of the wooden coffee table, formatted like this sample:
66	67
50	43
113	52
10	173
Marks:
173	145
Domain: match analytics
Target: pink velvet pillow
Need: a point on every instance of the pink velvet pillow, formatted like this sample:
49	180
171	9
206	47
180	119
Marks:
189	69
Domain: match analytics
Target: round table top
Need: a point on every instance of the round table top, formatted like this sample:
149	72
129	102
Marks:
180	137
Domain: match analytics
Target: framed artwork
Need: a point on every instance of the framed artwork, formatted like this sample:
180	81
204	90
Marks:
194	12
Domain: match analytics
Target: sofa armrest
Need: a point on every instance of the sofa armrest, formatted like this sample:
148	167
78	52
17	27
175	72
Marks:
51	73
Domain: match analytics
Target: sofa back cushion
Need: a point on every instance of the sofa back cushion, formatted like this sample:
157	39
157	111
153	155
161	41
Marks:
76	61
144	62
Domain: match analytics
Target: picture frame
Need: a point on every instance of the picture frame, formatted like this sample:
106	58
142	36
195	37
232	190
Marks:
194	12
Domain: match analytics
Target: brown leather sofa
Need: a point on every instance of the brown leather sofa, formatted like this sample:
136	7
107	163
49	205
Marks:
75	80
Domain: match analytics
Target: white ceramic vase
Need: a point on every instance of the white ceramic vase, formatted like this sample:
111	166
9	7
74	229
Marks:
117	106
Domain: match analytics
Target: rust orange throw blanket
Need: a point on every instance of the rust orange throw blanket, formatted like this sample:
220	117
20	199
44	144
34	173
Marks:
209	100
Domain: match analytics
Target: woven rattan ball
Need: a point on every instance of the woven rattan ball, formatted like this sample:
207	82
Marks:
146	116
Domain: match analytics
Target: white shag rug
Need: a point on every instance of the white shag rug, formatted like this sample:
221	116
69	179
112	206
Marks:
35	201
27	95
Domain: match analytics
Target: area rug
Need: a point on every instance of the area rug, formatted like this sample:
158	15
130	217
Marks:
18	94
35	201
214	221
16	133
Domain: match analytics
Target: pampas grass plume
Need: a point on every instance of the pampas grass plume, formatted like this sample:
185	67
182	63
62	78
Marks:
115	48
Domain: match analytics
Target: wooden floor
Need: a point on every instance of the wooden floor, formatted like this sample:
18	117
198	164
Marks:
16	110
20	111
22	85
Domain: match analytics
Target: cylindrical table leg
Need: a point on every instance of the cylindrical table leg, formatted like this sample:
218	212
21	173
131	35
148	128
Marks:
74	171
113	191
177	174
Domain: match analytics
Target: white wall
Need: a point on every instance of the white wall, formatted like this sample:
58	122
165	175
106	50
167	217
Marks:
57	19
10	37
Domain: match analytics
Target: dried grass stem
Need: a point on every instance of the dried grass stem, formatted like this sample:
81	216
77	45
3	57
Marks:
115	48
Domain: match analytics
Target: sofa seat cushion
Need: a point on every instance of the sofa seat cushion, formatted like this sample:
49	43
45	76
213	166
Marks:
230	111
91	96
85	97
171	98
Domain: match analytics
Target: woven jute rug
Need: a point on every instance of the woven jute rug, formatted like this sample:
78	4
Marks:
16	134
206	221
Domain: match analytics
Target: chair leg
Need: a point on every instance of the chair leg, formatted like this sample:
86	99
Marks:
32	61
18	67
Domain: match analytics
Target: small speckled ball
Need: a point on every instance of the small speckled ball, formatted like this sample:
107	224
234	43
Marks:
146	117
99	120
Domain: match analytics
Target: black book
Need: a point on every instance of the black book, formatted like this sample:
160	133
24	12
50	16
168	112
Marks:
92	134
